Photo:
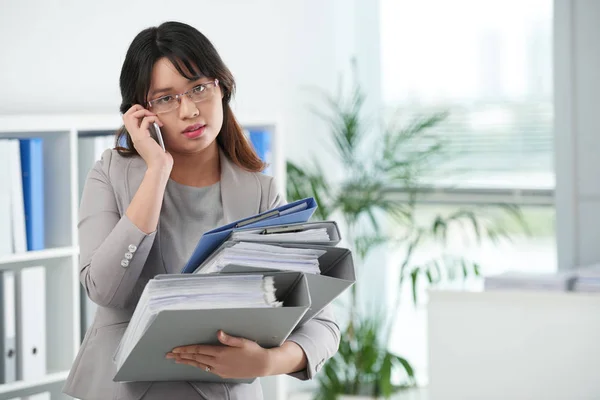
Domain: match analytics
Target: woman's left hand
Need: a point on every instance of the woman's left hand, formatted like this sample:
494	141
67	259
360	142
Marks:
239	359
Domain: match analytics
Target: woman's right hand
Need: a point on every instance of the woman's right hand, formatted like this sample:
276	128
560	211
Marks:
137	121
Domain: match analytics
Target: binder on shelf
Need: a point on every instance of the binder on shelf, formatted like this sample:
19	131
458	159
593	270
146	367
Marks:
8	331
31	323
269	327
296	212
336	267
17	206
90	149
262	140
6	235
32	162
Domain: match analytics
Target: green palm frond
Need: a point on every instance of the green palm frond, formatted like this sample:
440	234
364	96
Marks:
376	160
304	182
363	365
367	243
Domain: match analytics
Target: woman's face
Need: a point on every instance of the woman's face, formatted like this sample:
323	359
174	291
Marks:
180	130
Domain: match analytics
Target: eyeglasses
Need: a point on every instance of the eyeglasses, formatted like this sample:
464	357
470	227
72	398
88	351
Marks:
197	94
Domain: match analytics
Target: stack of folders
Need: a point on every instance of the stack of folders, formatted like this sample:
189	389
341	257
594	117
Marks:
262	307
310	248
561	282
301	260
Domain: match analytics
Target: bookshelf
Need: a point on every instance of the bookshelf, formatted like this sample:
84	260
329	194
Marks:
65	302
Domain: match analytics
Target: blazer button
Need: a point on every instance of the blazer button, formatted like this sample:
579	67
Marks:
320	365
124	263
132	248
128	256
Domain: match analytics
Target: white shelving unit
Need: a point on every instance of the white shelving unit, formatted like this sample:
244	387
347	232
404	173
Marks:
61	134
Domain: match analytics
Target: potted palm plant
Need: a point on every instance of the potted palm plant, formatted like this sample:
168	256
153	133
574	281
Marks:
377	162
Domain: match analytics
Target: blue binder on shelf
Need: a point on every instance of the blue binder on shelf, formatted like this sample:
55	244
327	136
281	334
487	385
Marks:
293	213
32	168
262	142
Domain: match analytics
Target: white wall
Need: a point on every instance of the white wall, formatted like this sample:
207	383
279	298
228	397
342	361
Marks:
577	84
65	56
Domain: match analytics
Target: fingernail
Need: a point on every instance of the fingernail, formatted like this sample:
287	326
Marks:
170	355
176	351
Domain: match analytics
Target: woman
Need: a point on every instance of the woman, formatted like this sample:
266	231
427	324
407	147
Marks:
143	211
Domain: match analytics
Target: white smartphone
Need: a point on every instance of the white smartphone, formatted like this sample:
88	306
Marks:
157	135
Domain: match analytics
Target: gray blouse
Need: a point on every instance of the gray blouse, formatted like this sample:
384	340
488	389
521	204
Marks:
187	213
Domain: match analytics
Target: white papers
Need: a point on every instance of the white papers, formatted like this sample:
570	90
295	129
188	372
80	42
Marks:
262	235
189	293
266	256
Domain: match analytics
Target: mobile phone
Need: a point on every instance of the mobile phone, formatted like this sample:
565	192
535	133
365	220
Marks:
157	135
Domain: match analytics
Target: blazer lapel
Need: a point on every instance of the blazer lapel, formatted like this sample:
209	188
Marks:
240	191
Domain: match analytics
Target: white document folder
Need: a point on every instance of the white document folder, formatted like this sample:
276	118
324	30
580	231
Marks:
17	205
6	236
31	326
8	329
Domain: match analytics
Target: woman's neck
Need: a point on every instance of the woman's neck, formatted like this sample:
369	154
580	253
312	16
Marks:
201	169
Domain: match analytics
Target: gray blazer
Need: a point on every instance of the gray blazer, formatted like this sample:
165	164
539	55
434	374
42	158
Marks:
106	235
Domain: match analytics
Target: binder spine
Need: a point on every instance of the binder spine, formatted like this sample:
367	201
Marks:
8	366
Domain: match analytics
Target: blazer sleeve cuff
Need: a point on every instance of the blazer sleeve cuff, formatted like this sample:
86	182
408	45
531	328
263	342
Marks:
311	351
128	243
117	265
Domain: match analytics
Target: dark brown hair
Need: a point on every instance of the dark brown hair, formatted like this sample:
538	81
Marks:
193	55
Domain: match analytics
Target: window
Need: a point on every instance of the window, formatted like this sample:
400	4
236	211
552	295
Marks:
489	64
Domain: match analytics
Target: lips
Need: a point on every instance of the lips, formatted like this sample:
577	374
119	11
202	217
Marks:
194	131
192	128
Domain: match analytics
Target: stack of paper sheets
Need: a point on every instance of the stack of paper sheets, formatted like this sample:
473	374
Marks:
265	256
274	235
213	292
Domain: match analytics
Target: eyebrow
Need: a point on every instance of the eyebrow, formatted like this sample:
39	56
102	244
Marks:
170	89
